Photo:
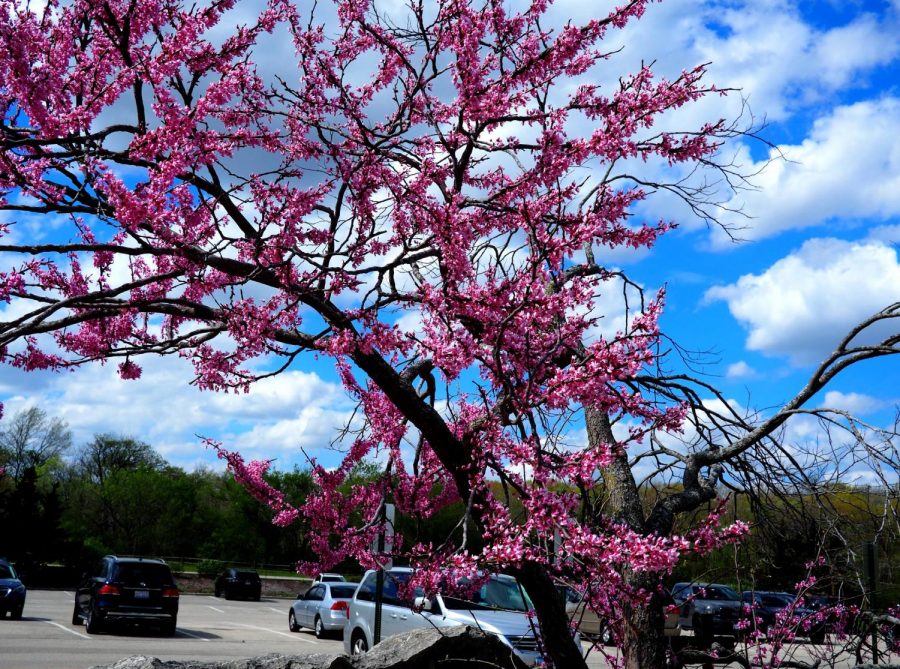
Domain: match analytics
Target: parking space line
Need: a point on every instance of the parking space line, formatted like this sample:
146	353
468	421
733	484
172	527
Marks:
193	636
272	608
214	608
290	635
66	629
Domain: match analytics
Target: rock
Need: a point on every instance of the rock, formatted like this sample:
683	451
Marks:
448	648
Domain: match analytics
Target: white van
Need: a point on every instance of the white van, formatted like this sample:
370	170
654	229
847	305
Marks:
498	608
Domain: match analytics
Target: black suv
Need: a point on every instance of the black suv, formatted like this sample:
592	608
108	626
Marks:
238	584
128	590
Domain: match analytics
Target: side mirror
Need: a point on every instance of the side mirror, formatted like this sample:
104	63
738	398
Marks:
422	604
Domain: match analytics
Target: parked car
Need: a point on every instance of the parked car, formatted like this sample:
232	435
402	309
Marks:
322	609
766	607
498	607
709	609
134	590
326	577
593	627
234	583
12	591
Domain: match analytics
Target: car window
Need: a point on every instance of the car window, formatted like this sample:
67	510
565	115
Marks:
366	590
6	571
247	575
495	593
316	594
392	585
773	600
342	591
151	575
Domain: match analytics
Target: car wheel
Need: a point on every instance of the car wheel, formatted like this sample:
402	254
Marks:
358	646
292	622
16	613
228	594
218	592
817	638
76	616
319	628
701	632
169	628
92	623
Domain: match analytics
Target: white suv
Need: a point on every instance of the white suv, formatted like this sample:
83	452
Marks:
498	608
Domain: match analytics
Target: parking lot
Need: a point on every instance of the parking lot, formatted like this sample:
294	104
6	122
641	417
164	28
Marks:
208	629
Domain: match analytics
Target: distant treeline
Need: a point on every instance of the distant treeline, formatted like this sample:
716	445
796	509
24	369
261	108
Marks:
68	505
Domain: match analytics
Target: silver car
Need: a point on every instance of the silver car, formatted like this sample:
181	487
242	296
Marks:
322	609
498	608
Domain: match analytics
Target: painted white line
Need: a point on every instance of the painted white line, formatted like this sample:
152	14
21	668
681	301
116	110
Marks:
193	636
290	635
214	608
66	629
67	593
272	608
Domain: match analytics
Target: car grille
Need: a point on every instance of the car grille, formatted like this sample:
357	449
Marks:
527	643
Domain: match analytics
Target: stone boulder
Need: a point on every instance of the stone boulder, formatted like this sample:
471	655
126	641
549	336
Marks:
447	648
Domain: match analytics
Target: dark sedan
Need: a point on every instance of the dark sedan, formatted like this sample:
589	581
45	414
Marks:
709	609
12	592
771	608
236	583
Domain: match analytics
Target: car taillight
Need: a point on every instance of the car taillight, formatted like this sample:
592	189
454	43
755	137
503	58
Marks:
109	590
341	606
170	592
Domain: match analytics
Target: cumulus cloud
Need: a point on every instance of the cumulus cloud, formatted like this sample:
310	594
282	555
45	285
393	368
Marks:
857	404
848	168
740	370
275	419
803	304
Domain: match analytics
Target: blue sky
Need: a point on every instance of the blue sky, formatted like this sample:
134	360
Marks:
820	249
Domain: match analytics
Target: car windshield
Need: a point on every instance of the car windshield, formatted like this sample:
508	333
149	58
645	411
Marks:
248	575
6	571
718	593
146	575
343	591
497	592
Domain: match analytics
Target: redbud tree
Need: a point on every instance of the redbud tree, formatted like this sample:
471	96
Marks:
417	195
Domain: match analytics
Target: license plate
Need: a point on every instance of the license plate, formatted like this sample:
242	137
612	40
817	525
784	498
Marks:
142	594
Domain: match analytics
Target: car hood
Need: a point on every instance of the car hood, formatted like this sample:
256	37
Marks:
10	583
507	623
717	604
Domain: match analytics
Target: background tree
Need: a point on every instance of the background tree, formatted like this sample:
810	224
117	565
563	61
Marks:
31	439
439	165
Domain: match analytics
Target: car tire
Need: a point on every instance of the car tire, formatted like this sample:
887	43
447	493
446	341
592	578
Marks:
702	633
92	622
16	613
292	622
319	628
228	594
358	645
817	639
169	628
218	592
76	616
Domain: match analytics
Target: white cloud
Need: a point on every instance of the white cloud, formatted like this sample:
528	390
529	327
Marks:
848	168
803	304
857	404
740	370
275	419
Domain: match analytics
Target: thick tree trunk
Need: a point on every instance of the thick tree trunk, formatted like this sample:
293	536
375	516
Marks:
551	616
643	642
